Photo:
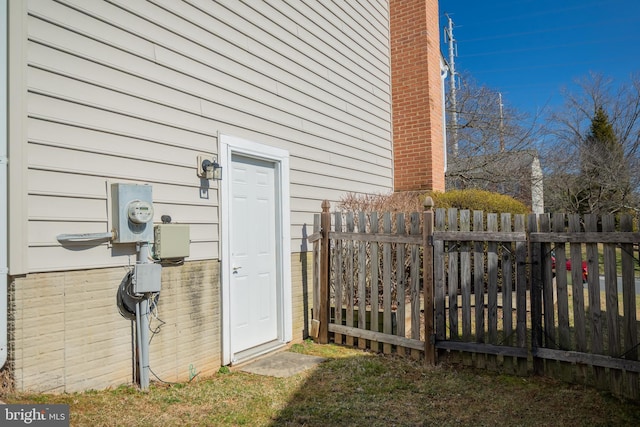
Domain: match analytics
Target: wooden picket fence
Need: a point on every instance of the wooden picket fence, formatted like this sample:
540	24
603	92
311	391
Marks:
485	290
362	249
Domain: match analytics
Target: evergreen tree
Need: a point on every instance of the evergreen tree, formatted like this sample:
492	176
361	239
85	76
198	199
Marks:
604	180
592	156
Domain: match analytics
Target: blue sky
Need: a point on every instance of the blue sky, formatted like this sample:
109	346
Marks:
529	49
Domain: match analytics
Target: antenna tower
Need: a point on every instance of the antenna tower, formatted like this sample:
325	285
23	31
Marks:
448	34
501	123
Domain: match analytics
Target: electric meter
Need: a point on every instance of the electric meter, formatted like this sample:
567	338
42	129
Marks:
132	212
140	211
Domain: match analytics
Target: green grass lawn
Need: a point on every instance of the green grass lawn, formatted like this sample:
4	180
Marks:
351	388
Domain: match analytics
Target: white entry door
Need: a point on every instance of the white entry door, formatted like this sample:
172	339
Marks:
253	253
255	248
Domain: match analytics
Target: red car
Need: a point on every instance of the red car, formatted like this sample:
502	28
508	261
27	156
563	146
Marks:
568	267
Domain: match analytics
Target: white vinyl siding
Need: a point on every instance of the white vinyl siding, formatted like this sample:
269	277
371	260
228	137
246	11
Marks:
133	91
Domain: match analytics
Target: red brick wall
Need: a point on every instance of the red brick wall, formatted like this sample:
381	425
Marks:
416	95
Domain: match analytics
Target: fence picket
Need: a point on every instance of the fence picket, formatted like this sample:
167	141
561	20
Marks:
562	296
362	279
549	334
427	290
611	288
478	283
577	287
374	283
521	292
507	282
478	276
535	293
453	277
465	276
338	276
597	343
629	304
349	279
400	281
415	280
492	287
564	338
439	277
387	325
507	290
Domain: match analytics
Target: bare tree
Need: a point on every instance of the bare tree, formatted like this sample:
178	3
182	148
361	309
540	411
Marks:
593	155
495	145
484	126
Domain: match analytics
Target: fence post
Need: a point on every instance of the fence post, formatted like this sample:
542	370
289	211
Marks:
324	309
427	288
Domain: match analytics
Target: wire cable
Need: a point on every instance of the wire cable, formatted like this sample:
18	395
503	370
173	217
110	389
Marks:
160	379
153	312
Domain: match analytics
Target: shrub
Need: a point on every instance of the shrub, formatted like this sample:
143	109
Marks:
411	201
406	201
479	200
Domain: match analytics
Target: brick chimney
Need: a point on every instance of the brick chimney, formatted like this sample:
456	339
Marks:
416	90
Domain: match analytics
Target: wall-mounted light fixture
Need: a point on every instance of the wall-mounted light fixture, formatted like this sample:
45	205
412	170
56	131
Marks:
208	168
212	170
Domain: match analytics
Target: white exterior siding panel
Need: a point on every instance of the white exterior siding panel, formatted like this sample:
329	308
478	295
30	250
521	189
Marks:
45	183
313	34
49	258
71	18
133	91
187	214
257	38
207	69
57	110
57	86
327	23
42	208
350	170
45	233
66	185
119	167
52	136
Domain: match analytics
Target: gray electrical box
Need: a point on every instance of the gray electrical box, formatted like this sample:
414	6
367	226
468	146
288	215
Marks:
132	209
146	278
172	241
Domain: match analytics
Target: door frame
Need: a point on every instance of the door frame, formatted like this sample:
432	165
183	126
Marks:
230	145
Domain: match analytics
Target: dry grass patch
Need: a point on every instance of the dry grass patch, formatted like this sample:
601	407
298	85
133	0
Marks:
351	388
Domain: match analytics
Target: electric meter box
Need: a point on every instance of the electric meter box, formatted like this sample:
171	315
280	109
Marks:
132	208
172	241
146	278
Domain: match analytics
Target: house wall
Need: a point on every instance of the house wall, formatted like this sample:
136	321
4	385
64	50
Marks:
67	334
419	154
133	91
126	91
302	294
